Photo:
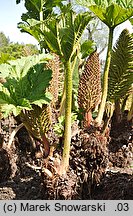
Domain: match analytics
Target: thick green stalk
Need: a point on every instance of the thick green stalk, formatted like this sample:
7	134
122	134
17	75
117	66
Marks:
105	78
68	106
62	104
41	19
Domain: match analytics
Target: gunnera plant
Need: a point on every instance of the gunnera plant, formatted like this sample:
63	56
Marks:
24	93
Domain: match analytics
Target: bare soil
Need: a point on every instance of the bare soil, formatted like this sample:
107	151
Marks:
100	167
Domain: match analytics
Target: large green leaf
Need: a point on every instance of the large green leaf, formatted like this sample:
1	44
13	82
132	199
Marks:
34	7
29	26
121	68
64	39
112	13
26	83
38	79
18	68
61	33
52	36
106	3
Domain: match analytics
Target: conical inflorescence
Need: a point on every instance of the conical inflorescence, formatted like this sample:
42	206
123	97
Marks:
38	122
90	86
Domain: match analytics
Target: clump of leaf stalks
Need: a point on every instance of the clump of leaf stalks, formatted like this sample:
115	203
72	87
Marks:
61	35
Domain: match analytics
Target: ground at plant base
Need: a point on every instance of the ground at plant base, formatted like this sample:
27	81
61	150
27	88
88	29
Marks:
85	180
